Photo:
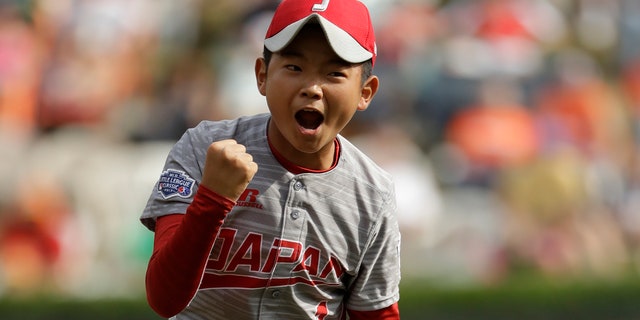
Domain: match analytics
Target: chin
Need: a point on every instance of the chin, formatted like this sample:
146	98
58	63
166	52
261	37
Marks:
307	146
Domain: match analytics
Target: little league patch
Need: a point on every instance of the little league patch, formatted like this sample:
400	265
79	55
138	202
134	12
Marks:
175	183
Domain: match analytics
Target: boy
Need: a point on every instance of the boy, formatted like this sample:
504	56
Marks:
277	216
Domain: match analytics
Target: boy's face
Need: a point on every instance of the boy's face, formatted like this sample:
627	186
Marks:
312	95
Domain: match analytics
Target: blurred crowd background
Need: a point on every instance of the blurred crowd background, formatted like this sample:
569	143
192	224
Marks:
510	126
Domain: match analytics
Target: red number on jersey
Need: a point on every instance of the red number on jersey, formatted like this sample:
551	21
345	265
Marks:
321	310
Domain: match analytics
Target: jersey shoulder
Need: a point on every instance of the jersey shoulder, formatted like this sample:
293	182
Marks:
364	169
242	128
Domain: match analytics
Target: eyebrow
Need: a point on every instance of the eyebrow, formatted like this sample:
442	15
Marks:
290	53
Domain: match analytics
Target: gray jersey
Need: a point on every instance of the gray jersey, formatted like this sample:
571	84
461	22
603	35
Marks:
295	246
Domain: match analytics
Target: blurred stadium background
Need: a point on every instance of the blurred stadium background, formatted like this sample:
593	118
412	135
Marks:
511	127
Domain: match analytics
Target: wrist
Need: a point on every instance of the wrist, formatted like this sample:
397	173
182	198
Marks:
204	196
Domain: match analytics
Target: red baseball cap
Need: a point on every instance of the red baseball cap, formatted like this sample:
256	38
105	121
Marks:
346	24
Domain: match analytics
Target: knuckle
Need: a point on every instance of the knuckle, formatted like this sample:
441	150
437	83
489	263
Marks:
216	147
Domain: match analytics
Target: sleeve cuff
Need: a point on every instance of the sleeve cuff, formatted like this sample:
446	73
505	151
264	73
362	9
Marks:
206	196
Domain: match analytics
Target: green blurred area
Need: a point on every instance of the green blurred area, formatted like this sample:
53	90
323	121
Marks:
531	299
526	299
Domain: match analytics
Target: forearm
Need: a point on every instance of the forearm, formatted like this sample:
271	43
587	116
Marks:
182	245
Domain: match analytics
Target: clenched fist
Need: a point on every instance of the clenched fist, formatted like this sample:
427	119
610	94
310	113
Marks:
228	168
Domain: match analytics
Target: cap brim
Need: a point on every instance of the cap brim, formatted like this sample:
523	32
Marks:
343	44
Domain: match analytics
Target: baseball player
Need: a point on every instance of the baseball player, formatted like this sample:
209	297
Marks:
277	216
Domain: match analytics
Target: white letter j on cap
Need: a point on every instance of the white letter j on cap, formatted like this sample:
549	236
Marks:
322	6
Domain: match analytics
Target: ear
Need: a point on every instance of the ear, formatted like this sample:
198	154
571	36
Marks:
369	90
261	75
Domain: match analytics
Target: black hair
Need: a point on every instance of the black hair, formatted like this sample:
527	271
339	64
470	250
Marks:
367	66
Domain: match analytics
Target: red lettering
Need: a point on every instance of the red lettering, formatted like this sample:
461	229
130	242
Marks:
282	251
334	265
271	259
310	261
276	253
295	248
248	253
226	236
249	195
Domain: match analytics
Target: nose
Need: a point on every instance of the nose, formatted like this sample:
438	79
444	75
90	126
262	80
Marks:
312	89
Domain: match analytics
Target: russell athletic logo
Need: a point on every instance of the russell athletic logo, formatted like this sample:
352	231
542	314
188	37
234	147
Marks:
249	198
175	183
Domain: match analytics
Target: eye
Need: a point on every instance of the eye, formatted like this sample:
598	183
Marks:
338	74
292	67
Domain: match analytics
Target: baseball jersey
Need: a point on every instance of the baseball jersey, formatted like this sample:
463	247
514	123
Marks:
302	246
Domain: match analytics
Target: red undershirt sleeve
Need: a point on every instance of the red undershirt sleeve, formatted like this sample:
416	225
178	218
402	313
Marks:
391	312
181	248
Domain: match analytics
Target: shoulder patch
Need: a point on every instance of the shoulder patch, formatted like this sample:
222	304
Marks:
175	183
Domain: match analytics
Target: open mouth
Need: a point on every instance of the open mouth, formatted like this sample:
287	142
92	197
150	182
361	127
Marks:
309	119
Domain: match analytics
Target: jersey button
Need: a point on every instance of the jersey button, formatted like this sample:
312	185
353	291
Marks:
275	293
297	186
295	214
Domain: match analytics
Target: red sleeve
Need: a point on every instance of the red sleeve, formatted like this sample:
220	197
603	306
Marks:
391	312
181	248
